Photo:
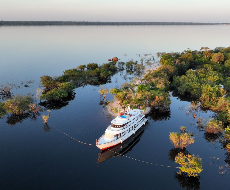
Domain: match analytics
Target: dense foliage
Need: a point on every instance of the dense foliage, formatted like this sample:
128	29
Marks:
190	164
57	89
181	140
203	76
18	104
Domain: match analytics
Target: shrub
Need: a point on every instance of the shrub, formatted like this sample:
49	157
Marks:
181	140
190	164
18	105
214	126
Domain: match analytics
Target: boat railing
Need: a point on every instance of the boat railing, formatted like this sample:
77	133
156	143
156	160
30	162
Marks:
107	141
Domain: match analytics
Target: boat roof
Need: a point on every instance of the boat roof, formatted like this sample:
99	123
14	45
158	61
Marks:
123	119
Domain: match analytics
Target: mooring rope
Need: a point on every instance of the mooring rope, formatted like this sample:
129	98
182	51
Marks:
138	160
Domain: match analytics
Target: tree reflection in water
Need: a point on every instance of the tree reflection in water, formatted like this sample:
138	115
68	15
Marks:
56	105
157	115
209	137
46	127
174	152
190	183
14	119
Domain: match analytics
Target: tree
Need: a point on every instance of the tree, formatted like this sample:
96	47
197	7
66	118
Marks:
66	86
92	66
18	104
187	57
103	91
48	82
181	140
227	66
190	164
54	95
217	57
81	67
214	126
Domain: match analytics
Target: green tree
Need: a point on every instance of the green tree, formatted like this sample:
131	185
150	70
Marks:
66	86
92	66
54	95
227	66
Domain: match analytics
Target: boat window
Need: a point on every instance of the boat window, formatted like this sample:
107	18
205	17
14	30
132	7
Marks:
115	126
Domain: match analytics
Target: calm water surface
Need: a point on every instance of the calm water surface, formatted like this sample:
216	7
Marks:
34	156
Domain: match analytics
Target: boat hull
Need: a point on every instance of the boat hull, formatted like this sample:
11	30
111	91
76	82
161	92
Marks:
116	142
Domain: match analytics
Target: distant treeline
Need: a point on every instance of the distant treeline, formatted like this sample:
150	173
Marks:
69	23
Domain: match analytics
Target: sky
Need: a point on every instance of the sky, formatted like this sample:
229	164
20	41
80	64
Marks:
116	10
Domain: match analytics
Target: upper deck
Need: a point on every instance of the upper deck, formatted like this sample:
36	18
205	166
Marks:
125	118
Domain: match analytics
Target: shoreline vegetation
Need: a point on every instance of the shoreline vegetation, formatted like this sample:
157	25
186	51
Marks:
58	91
86	23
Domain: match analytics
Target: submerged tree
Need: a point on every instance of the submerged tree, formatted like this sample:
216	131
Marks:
190	164
46	117
18	104
5	91
103	91
214	126
181	140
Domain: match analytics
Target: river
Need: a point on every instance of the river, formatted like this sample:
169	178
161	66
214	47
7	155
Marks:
35	156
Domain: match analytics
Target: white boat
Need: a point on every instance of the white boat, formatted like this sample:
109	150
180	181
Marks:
121	128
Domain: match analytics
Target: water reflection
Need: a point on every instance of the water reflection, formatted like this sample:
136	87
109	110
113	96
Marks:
174	152
14	119
122	148
190	183
46	127
157	115
209	137
56	105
